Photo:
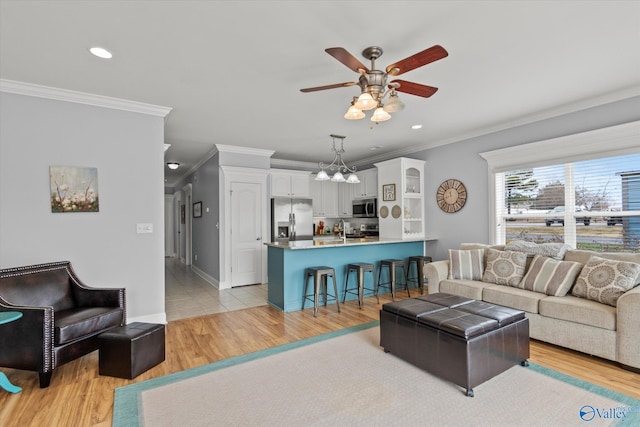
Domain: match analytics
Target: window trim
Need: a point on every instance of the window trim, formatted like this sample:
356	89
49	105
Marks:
605	142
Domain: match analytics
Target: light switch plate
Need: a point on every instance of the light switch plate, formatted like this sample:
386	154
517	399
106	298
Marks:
144	228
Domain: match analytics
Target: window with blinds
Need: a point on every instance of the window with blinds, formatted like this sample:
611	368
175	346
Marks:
592	204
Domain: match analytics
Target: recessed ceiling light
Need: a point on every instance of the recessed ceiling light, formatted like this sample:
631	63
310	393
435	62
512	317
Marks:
416	127
173	165
101	52
374	148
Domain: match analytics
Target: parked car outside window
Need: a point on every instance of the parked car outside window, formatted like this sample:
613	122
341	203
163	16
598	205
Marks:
560	218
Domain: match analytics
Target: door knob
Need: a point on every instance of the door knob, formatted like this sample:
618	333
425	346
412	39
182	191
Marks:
258	238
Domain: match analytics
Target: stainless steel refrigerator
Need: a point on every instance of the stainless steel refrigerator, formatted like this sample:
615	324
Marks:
291	219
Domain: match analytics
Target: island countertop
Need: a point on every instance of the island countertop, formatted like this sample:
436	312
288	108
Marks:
337	242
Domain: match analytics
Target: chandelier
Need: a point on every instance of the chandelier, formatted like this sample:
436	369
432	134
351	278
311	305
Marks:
337	165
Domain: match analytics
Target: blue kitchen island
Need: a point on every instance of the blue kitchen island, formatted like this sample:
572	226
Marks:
287	262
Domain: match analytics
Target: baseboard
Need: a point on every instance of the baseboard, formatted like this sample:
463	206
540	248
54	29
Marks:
151	318
215	283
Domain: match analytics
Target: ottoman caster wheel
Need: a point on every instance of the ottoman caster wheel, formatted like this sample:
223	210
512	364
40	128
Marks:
524	363
469	392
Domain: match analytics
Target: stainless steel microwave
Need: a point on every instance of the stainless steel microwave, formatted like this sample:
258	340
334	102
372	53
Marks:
365	208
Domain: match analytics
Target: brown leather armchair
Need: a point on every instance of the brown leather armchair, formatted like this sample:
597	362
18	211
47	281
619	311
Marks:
62	317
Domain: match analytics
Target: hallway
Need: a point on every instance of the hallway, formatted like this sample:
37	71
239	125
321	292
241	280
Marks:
189	295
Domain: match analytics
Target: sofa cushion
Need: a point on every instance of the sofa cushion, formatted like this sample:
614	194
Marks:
465	288
605	280
76	323
551	250
513	297
579	310
550	276
466	265
504	267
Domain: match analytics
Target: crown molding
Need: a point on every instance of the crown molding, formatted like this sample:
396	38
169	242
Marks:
30	89
293	164
243	150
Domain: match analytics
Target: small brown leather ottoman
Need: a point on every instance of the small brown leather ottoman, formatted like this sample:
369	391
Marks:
457	339
128	351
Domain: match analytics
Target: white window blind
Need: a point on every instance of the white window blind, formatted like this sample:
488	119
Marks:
591	204
586	178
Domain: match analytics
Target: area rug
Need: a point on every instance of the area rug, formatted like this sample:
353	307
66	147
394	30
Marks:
345	379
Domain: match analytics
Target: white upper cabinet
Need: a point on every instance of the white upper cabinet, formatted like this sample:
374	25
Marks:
287	183
368	186
325	198
345	202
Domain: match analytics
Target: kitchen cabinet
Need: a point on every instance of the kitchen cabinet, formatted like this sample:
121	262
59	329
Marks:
345	201
401	205
288	183
368	186
325	197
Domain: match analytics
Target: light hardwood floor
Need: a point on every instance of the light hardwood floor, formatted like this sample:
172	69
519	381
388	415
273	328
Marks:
78	396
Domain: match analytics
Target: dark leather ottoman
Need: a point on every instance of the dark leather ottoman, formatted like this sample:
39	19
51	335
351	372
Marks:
128	351
457	339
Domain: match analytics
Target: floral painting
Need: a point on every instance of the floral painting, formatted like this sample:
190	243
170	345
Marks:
73	189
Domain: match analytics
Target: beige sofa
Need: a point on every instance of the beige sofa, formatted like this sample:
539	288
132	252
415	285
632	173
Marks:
580	324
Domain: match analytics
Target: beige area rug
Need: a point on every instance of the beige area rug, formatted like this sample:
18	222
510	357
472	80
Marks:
346	379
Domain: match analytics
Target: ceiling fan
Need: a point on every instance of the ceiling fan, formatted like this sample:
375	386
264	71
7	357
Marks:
373	83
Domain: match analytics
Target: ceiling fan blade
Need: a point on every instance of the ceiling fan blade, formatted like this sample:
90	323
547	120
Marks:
346	58
418	60
334	86
413	88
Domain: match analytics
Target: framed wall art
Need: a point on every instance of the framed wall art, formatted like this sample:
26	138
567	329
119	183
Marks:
73	189
197	209
388	192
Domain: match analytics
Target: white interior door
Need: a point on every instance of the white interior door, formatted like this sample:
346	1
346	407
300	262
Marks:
246	233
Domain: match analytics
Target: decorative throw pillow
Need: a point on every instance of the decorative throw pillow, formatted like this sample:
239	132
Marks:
504	267
466	265
551	250
605	280
550	276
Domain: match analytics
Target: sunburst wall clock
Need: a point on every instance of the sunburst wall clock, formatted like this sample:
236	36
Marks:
451	195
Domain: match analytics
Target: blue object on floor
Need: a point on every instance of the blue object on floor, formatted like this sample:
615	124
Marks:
6	317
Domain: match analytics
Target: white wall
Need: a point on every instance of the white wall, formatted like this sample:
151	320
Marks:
104	248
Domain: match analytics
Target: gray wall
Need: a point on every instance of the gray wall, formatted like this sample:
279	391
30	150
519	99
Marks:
206	189
103	247
462	161
206	235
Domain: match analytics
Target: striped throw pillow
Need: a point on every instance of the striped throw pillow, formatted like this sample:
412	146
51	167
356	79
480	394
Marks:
550	276
466	265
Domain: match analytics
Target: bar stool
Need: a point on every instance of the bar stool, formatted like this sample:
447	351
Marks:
360	268
419	261
319	275
392	265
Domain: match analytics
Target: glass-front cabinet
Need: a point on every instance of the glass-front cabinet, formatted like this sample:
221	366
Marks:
401	198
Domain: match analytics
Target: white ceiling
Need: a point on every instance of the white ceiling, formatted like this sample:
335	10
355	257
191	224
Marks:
232	70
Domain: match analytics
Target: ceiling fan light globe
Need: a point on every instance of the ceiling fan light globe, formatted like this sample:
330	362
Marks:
353	179
394	104
322	176
366	102
353	113
380	115
338	177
